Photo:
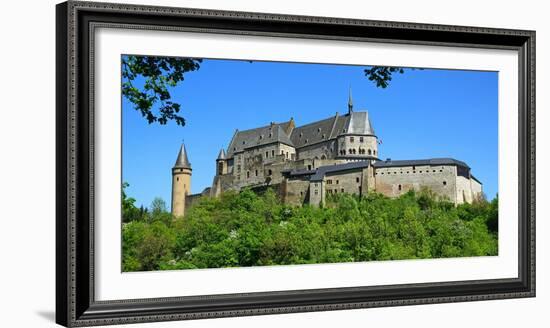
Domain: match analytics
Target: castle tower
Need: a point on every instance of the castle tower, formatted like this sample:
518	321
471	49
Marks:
221	163
181	182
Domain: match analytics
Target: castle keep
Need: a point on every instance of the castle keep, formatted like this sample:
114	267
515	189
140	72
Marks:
335	155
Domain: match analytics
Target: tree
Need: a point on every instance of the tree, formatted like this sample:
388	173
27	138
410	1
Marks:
158	205
251	229
129	210
382	75
159	74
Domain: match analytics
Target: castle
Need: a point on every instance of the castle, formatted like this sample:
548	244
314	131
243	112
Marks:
335	155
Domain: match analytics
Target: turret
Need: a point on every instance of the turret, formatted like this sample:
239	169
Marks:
181	182
221	163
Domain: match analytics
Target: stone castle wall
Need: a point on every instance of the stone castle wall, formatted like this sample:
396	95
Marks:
395	181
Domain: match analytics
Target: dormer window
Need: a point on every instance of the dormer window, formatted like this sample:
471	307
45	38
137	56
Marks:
319	130
324	136
301	134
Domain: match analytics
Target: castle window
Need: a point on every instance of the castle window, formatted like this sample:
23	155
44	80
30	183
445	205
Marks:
309	167
316	192
342	189
177	178
444	183
287	154
306	141
351	139
329	181
269	172
433	171
256	172
344	130
318	129
370	152
261	136
343	151
266	154
324	136
234	148
374	152
272	153
270	135
399	187
440	170
357	179
361	139
248	174
414	167
301	134
337	182
244	142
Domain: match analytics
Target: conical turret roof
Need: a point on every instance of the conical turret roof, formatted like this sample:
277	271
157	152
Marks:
221	155
182	161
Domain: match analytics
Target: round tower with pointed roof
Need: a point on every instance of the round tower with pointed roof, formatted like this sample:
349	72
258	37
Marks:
181	182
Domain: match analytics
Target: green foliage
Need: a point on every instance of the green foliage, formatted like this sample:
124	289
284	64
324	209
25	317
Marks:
248	229
152	96
159	74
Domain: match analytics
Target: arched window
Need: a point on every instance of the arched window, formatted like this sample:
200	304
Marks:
399	187
269	172
370	152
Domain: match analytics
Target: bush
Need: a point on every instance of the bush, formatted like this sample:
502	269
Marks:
247	229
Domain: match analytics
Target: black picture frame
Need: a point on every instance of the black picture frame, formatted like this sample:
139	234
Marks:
75	302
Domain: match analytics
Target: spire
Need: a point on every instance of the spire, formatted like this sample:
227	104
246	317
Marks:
182	161
350	102
221	155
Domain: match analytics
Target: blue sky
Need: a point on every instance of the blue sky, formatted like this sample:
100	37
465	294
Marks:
422	114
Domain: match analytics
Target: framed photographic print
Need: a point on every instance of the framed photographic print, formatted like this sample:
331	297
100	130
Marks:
214	163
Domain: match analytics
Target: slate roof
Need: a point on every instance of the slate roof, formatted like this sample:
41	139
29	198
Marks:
320	172
312	133
221	155
431	161
305	135
264	135
182	161
323	170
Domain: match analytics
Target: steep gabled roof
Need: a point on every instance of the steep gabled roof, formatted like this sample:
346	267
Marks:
312	133
264	135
